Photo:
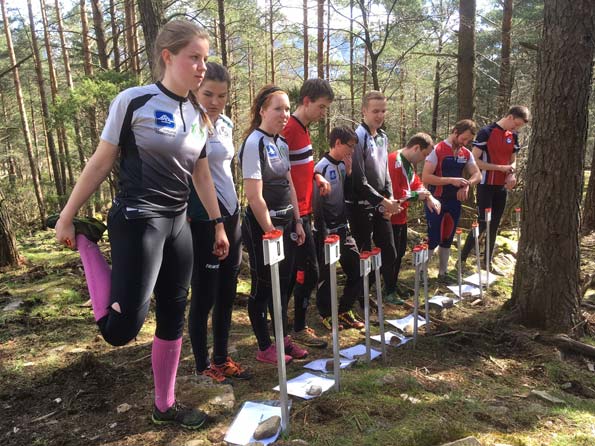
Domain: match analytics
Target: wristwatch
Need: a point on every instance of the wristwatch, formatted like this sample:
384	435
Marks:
299	220
217	220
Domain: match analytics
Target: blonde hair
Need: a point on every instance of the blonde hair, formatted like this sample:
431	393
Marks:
372	95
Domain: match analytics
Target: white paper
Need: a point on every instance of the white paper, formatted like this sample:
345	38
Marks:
465	288
299	385
252	414
407	320
357	350
474	278
388	335
439	300
320	364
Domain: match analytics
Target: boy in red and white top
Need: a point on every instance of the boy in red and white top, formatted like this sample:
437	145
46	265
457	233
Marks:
495	149
407	186
316	96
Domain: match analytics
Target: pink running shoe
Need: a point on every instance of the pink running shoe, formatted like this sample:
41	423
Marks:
294	349
270	355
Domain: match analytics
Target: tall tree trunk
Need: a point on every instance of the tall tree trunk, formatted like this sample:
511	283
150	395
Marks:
504	83
115	34
546	289
320	49
9	254
23	115
588	223
306	41
151	19
87	60
12	174
129	27
100	34
223	44
466	59
351	51
51	145
365	76
272	41
328	40
436	99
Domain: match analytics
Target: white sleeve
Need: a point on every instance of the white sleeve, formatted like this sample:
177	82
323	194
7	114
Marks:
251	168
471	161
115	119
432	158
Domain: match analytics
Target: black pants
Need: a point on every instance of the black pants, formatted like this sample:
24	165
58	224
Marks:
149	255
304	278
368	225
349	261
488	196
214	285
400	236
261	294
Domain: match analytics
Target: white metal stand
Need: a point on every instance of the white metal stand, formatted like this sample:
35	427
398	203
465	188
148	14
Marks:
417	261
459	231
376	262
475	229
364	269
332	254
488	218
425	260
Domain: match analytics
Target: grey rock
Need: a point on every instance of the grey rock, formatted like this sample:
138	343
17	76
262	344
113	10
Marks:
196	443
547	397
467	441
267	428
314	390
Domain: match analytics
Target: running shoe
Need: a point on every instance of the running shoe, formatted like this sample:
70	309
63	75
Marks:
447	279
231	369
294	350
270	355
350	320
90	227
327	322
187	417
215	375
308	337
393	298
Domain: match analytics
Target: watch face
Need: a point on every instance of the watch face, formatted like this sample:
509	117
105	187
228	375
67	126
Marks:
381	209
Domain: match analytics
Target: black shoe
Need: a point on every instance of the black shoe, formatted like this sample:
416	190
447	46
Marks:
90	227
178	414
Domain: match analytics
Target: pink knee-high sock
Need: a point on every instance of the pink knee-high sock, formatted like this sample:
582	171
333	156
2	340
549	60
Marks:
165	358
98	274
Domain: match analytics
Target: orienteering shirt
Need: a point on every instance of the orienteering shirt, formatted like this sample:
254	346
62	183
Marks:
497	146
448	164
329	210
220	153
161	136
371	181
265	157
302	162
406	184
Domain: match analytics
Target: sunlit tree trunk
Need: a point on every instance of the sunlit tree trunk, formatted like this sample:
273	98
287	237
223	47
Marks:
306	41
505	85
115	34
588	223
351	51
466	59
320	41
272	41
151	19
100	34
9	254
129	15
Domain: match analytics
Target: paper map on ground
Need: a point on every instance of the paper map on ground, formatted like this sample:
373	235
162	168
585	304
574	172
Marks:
465	288
402	323
299	385
247	420
442	300
358	350
320	364
474	278
388	335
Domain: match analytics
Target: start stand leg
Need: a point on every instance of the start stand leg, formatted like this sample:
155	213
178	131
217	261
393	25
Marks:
272	243
488	217
376	261
425	259
364	269
332	254
459	231
475	229
417	256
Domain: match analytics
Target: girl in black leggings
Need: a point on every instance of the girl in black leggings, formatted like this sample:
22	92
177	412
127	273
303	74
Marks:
158	133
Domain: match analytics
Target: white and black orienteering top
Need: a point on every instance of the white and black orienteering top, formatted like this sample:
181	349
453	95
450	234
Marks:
265	157
220	153
370	178
161	136
329	210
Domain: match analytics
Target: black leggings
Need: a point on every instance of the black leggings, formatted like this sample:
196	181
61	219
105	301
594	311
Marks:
148	255
488	196
304	278
261	294
213	287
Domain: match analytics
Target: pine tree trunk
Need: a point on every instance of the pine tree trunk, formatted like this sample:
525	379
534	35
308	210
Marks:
306	41
351	51
87	60
320	49
272	41
100	34
23	116
223	44
151	19
466	59
546	290
115	34
12	174
9	254
505	86
436	99
588	223
130	47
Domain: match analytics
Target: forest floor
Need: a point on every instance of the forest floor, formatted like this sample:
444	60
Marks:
63	385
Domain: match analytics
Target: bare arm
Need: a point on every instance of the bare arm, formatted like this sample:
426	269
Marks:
253	191
299	229
506	168
96	170
429	178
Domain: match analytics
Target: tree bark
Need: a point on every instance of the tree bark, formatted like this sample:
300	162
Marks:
223	45
100	34
306	41
88	61
546	289
130	26
12	172
23	116
115	34
272	41
9	254
320	40
504	85
351	51
151	19
466	59
588	223
436	98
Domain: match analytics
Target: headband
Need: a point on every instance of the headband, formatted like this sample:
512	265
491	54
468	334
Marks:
264	96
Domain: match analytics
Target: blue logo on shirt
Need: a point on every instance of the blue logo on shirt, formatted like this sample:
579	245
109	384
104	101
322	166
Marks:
272	151
508	140
164	119
333	175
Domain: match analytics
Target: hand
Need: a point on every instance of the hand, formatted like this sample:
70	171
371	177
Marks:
323	186
221	245
392	206
387	215
424	194
348	161
65	234
510	181
433	205
462	193
459	182
301	235
506	168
